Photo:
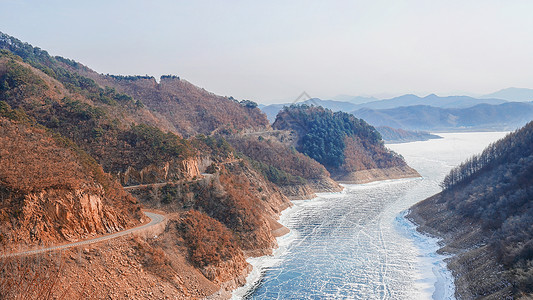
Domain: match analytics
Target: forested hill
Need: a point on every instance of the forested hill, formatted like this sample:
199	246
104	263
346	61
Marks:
485	213
344	144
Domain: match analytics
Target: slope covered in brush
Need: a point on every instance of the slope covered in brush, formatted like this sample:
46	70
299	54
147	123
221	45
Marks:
485	213
123	136
298	175
190	109
174	104
65	194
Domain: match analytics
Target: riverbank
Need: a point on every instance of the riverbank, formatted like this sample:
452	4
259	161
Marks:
372	175
474	266
432	263
262	263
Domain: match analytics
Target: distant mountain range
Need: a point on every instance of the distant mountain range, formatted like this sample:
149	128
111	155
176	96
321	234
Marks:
272	110
430	100
405	100
513	94
354	99
506	116
432	112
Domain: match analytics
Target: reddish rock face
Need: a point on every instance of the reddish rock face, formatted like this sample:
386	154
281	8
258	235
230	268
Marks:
49	195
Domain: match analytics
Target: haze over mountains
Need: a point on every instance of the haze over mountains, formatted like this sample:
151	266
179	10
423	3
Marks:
512	94
506	109
502	117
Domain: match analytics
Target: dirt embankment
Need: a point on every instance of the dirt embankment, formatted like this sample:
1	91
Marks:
365	176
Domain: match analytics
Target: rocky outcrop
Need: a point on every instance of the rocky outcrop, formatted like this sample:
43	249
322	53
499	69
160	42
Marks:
170	171
50	193
51	216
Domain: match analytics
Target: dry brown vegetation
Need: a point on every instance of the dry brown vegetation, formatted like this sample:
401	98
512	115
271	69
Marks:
121	136
209	241
30	160
362	155
191	110
278	155
20	280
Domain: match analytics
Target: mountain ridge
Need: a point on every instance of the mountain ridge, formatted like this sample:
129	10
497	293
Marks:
505	116
512	94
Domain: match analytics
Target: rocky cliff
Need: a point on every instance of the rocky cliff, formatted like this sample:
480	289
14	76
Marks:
51	193
169	171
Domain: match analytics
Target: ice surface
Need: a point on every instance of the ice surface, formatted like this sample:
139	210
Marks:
357	245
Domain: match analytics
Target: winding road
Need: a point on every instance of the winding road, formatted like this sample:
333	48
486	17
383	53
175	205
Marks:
155	219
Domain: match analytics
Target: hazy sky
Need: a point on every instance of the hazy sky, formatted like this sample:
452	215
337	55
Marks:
271	51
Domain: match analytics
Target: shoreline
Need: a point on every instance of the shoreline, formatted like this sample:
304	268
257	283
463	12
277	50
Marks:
262	263
443	288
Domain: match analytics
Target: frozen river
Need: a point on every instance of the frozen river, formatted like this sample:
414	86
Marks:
357	245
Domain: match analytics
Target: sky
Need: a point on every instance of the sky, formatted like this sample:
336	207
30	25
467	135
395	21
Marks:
272	51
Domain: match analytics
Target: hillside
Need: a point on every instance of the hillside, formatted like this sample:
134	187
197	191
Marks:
52	191
221	208
124	137
190	109
298	175
484	215
502	117
173	104
349	148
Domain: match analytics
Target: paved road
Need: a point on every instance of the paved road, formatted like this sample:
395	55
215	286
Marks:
155	219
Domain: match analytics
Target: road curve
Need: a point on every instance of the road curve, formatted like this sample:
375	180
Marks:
155	219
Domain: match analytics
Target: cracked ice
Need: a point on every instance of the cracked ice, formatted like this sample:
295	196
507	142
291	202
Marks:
357	245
